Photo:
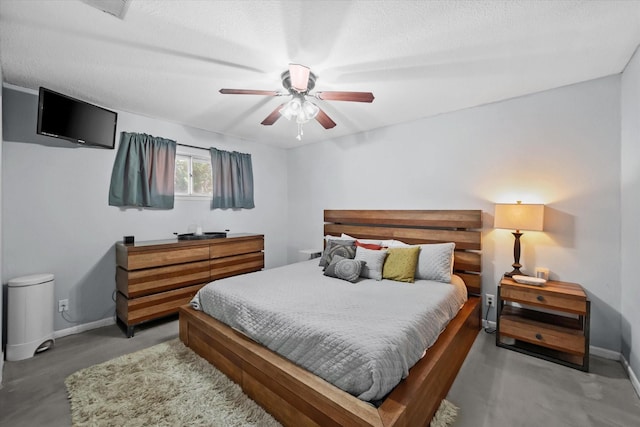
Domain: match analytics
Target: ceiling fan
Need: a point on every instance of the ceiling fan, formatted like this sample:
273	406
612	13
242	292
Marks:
299	81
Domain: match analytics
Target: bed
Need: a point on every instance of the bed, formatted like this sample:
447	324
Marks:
295	396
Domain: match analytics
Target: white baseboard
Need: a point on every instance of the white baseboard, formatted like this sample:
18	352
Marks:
84	327
604	353
632	376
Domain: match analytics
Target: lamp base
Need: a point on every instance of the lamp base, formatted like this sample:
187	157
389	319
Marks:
516	256
515	272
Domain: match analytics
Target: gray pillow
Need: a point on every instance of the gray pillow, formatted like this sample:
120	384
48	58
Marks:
344	268
435	262
344	248
374	262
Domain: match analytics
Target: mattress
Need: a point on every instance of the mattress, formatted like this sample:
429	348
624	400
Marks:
362	337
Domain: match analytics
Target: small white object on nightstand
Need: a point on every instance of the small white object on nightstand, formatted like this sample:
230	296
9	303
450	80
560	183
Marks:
311	253
528	280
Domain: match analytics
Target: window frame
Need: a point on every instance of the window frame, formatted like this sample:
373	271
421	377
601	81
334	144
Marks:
182	154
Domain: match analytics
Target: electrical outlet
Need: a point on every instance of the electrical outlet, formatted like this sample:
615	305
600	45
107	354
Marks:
63	305
489	299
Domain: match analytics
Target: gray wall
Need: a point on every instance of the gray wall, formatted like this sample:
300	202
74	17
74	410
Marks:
630	188
56	216
560	147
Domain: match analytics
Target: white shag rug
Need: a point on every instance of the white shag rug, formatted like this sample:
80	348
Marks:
169	385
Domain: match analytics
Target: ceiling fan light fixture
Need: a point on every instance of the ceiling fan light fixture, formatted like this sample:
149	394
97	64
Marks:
310	110
302	110
286	112
291	109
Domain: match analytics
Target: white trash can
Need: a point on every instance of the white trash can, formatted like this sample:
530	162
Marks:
30	311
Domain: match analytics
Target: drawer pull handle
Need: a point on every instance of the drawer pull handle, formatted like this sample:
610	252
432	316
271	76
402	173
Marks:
540	298
539	336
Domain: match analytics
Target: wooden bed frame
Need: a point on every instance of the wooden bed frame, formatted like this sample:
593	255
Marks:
296	397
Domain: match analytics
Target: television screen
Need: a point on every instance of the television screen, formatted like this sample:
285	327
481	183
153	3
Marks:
64	117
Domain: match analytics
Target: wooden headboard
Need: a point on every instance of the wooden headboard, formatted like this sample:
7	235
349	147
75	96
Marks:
418	227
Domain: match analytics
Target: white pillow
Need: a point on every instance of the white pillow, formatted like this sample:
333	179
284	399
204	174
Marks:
330	237
374	261
392	243
435	262
366	241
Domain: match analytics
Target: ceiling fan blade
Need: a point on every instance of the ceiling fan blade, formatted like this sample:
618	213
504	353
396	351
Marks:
249	92
325	120
345	96
299	75
275	115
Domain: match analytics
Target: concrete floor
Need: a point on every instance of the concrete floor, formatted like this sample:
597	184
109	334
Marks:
496	387
500	387
33	392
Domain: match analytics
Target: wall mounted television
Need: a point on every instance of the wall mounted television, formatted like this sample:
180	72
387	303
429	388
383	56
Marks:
61	116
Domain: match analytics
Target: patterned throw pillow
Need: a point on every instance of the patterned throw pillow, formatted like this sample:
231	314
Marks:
343	268
401	264
345	248
436	262
374	262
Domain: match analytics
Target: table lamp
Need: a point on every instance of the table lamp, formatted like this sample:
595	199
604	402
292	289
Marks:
518	216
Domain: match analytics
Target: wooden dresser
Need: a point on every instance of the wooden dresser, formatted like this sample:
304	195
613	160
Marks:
155	278
550	321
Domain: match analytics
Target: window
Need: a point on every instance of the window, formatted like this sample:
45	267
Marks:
193	177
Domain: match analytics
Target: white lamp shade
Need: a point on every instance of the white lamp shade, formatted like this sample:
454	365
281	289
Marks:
310	110
518	216
299	75
291	109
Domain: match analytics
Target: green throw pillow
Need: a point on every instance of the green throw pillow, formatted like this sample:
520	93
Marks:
401	264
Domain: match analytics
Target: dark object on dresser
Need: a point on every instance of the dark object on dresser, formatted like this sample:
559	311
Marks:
204	236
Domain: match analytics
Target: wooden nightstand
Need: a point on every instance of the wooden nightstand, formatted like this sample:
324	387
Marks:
311	253
550	322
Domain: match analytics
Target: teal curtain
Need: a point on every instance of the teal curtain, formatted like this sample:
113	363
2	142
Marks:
232	180
143	172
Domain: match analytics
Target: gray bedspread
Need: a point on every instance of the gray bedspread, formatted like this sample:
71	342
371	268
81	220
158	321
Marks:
362	337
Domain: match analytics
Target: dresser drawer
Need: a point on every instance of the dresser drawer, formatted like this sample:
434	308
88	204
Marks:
541	298
162	257
546	335
133	311
224	248
137	283
234	265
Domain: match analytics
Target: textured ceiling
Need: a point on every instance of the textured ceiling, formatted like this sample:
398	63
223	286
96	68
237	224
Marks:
167	59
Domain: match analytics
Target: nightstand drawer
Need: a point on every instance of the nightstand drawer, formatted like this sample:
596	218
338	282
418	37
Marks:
546	335
539	297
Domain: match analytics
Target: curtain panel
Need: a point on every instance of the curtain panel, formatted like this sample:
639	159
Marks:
232	180
143	172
